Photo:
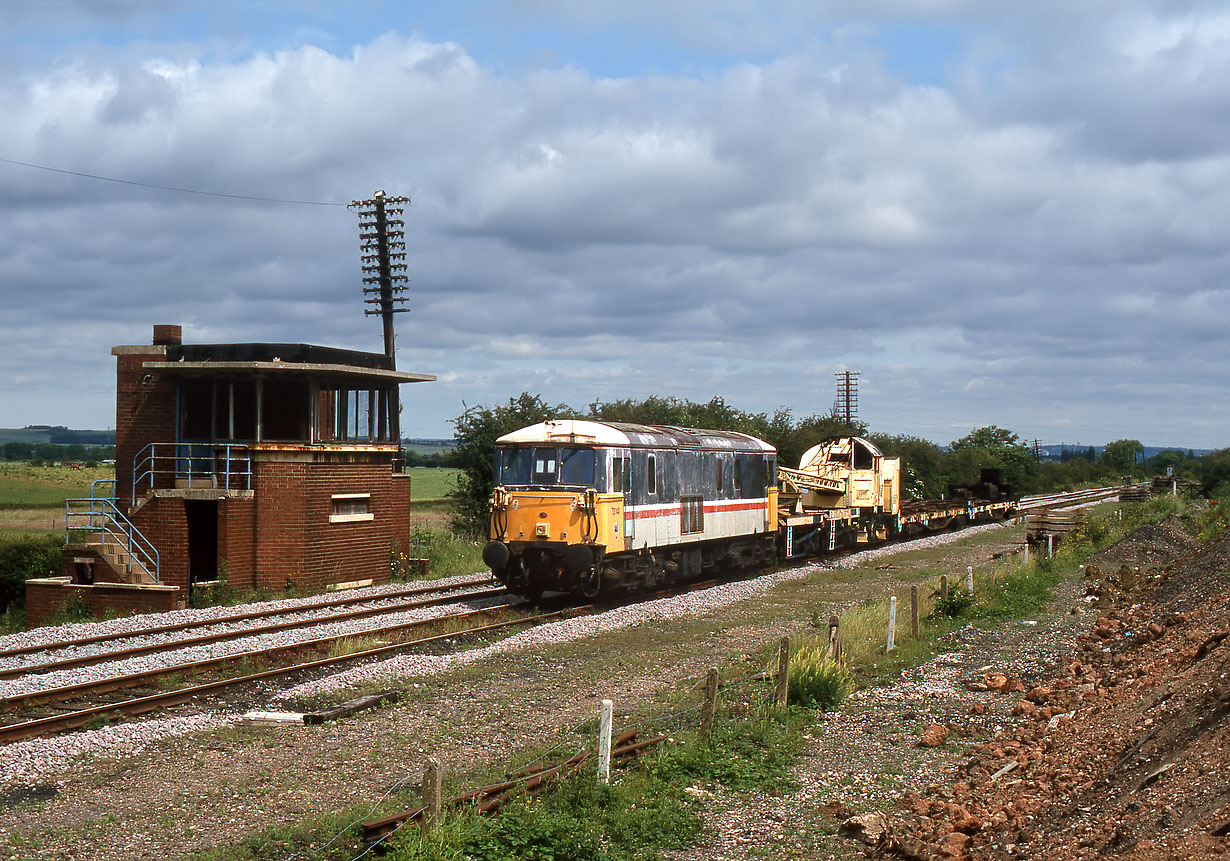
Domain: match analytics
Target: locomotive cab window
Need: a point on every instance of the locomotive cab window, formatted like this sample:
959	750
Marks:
543	467
619	474
651	475
576	467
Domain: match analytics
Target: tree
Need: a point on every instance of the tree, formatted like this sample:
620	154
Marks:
1215	473
1121	454
989	447
474	454
1172	458
922	464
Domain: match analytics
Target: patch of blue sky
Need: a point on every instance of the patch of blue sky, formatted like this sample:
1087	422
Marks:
499	36
921	53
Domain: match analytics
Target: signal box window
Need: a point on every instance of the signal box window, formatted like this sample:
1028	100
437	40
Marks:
351	507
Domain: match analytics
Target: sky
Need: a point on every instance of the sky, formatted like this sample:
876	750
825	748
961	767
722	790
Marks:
1012	214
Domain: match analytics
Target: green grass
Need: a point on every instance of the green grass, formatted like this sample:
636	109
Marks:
1003	593
431	483
650	804
26	486
447	553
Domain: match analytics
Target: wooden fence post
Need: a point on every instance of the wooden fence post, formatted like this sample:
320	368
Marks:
834	644
892	623
709	710
604	742
943	585
431	793
914	611
783	672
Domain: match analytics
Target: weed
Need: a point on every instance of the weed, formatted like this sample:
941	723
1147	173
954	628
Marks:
956	604
815	681
446	552
350	645
75	609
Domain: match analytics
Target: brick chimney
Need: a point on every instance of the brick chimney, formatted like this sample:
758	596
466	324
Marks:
167	334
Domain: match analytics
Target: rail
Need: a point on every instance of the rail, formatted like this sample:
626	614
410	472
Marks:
1068	498
217	465
98	521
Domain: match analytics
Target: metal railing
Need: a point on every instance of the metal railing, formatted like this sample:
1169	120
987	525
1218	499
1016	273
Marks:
220	465
98	521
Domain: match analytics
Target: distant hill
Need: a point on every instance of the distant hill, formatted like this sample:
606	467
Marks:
1054	451
57	435
428	446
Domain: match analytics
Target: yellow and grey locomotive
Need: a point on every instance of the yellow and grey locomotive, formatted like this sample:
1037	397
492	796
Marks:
585	506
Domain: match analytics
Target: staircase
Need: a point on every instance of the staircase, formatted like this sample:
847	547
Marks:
97	529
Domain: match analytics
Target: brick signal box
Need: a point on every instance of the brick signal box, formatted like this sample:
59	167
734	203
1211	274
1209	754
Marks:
263	465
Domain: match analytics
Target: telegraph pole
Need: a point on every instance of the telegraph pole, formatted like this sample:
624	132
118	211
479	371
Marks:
847	396
383	248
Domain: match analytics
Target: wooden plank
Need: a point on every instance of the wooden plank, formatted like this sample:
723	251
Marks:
350	707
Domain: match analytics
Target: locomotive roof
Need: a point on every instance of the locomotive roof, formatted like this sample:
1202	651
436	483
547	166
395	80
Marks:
627	435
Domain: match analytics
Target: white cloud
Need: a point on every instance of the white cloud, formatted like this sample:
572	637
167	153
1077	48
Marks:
1021	237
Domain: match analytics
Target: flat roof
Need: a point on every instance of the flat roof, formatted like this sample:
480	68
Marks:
315	369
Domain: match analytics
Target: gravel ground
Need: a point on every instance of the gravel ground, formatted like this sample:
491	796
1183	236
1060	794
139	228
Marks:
122	800
33	683
138	623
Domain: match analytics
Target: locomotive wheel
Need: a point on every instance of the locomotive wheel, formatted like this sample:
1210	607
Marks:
590	582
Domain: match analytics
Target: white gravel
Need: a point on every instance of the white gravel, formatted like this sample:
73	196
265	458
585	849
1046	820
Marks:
38	759
136	624
35	682
569	630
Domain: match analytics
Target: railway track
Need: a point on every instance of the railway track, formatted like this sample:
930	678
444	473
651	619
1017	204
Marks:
91	657
1068	498
242	616
70	713
62	708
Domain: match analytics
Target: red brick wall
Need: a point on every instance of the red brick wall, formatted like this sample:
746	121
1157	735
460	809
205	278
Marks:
399	514
163	521
45	597
237	542
144	413
295	539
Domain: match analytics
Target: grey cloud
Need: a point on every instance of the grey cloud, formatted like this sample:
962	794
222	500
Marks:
741	233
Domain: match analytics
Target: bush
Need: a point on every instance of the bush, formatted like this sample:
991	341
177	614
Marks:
956	604
817	682
24	558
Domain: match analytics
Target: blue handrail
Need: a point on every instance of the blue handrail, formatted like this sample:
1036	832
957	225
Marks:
100	517
221	465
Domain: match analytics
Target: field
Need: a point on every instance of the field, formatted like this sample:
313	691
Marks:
32	497
26	486
431	484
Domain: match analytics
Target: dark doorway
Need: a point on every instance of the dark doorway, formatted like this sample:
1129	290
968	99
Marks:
202	517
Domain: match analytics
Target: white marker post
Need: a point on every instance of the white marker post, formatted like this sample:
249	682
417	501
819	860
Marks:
892	623
969	579
604	743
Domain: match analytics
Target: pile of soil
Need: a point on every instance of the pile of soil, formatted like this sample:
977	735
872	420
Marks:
1124	753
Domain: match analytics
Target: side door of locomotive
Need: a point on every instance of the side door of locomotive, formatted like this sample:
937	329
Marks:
621	475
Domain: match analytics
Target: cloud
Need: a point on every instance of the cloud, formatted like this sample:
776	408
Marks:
1021	235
